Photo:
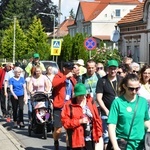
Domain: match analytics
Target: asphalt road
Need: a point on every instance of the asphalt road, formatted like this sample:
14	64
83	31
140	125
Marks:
35	141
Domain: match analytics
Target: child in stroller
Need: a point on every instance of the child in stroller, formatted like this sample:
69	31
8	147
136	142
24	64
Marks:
41	117
41	112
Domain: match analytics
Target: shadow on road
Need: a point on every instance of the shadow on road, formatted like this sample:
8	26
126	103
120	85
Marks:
45	148
21	134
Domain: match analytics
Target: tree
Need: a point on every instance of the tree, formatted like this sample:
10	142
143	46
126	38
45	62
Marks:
19	8
45	6
103	54
78	49
7	42
37	40
66	50
73	48
72	14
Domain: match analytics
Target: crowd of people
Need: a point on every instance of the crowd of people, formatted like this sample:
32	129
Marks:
101	106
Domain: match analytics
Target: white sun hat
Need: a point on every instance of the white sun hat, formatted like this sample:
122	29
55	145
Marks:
80	62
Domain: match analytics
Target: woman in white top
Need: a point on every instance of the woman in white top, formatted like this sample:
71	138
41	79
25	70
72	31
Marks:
144	90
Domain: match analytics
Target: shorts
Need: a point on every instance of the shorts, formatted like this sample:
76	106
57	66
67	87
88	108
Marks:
57	118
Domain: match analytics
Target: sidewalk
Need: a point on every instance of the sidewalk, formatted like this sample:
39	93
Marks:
7	141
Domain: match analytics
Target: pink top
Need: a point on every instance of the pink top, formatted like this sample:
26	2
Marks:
39	83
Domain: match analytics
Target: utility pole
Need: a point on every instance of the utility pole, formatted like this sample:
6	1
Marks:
14	40
59	15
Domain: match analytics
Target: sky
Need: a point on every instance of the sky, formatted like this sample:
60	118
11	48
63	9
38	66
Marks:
66	6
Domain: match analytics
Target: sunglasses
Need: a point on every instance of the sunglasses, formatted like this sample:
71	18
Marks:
119	72
99	68
146	73
132	89
135	71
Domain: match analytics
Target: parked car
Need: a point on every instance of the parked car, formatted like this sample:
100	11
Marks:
50	63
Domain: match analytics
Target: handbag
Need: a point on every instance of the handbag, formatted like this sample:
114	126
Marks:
147	141
122	143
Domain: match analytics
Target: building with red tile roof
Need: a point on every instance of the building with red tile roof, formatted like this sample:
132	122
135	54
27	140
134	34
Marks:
98	18
135	33
63	28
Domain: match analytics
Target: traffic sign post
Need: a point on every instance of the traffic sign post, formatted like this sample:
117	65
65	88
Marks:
56	47
90	44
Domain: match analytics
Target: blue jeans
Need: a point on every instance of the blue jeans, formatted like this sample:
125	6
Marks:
105	129
29	109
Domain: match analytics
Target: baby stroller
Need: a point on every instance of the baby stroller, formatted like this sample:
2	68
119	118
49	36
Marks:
41	121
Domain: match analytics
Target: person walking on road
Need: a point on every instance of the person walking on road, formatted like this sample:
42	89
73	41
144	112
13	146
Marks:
9	74
63	85
144	90
81	119
36	61
2	97
19	96
128	117
107	90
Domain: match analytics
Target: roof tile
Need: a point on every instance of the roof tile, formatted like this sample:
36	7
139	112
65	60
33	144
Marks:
96	7
134	15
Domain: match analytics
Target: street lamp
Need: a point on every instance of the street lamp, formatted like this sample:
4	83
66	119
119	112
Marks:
14	38
53	23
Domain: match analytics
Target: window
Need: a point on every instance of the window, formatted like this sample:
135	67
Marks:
117	12
129	52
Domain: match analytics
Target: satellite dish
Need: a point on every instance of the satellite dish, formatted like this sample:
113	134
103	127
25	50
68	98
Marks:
115	36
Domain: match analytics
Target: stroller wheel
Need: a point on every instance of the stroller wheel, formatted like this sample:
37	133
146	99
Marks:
29	130
45	131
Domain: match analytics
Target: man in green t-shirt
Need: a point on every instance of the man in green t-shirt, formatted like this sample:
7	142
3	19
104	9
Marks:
36	61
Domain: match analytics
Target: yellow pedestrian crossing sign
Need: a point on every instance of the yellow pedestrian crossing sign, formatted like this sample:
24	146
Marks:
56	47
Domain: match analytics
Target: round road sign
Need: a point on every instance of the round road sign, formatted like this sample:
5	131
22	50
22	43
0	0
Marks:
90	43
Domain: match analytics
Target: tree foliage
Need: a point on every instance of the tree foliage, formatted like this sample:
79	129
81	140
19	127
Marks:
66	50
25	10
20	9
38	40
72	14
73	48
20	42
78	49
46	6
103	54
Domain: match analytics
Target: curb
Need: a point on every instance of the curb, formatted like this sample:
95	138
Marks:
11	138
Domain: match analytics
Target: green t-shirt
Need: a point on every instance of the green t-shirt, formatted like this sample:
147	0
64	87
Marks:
121	114
90	84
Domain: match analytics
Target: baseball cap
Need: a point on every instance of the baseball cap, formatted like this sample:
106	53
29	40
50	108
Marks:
68	65
79	89
112	63
36	55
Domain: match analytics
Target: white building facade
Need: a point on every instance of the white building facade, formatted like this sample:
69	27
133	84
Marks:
104	19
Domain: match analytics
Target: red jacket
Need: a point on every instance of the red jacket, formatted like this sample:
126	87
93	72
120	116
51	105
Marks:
78	131
59	89
2	76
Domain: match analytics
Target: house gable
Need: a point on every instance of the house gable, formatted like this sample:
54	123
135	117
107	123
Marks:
135	33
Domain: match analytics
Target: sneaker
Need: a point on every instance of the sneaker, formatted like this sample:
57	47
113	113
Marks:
8	119
4	116
15	124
